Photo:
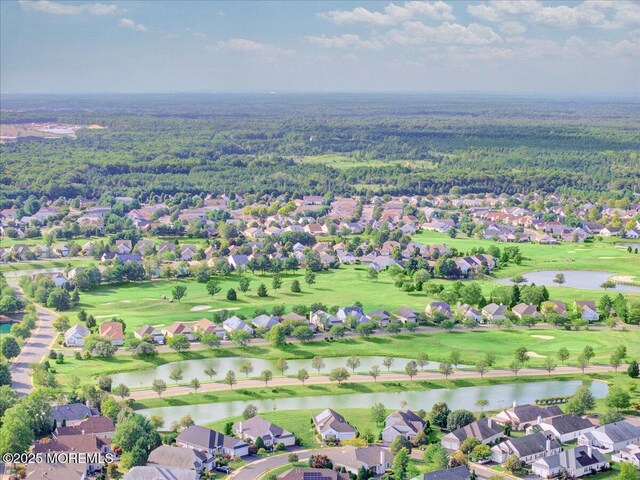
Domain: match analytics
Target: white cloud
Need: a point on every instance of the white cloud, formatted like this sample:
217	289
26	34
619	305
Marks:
346	40
513	28
129	23
55	8
247	46
601	14
393	14
417	33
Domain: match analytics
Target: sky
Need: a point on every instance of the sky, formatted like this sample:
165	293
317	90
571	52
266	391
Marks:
521	46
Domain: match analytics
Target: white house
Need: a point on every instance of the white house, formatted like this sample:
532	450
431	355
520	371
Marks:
234	324
611	437
566	427
528	448
577	462
331	424
270	433
587	308
74	337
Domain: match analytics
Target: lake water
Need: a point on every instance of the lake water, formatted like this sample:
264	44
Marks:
580	279
499	396
630	244
195	368
5	327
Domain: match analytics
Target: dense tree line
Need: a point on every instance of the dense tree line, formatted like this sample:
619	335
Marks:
158	146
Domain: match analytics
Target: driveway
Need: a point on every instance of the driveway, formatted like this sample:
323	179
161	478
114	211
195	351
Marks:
35	348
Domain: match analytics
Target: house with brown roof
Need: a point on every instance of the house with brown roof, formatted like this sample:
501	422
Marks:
147	331
178	328
112	331
402	422
204	326
523	309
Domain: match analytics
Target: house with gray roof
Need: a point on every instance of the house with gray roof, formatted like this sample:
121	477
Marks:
402	422
234	324
265	321
528	448
160	472
611	437
205	439
375	458
74	337
271	434
351	314
493	312
566	427
72	414
183	458
456	473
485	430
521	417
331	425
629	454
577	462
323	320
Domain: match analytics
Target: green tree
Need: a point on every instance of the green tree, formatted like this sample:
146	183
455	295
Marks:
230	378
436	456
121	390
399	443
244	284
9	347
213	288
309	278
262	290
61	324
400	465
282	365
178	292
563	354
549	364
353	363
266	376
446	369
16	435
618	398
522	355
388	362
176	374
339	375
374	372
231	295
295	287
458	419
455	358
158	386
241	337
439	414
302	375
411	369
194	384
581	402
378	413
246	367
276	283
179	342
633	370
318	363
422	360
210	372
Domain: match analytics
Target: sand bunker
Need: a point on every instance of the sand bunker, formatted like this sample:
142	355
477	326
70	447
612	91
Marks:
535	355
221	309
543	337
199	308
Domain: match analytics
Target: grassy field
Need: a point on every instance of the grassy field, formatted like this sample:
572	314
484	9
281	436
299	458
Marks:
438	345
602	255
343	162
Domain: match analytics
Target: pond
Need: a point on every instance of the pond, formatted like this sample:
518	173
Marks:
5	328
499	396
195	368
580	279
629	244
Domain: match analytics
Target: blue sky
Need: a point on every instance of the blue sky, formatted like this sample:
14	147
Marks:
488	46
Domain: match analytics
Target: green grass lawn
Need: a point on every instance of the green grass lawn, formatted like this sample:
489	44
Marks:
438	345
343	162
602	255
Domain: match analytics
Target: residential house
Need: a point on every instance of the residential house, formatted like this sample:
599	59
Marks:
407	315
351	314
237	260
528	448
566	427
92	445
486	430
610	231
521	417
611	437
331	425
522	309
112	331
178	328
493	312
72	413
205	325
375	458
212	442
123	247
402	422
313	474
629	454
147	331
160	472
99	426
471	313
456	473
265	321
382	317
587	309
187	252
183	458
271	434
632	233
74	337
577	462
59	471
323	320
234	324
554	306
439	308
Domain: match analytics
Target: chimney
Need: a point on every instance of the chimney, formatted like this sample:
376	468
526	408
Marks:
548	444
515	404
539	419
589	451
82	431
489	423
382	459
239	427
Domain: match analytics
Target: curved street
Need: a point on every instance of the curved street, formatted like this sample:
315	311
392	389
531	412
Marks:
35	348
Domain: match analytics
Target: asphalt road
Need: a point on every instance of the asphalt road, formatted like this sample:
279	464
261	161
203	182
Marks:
35	348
